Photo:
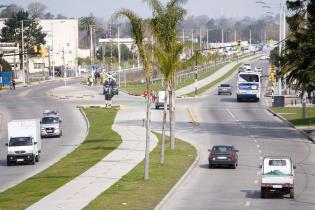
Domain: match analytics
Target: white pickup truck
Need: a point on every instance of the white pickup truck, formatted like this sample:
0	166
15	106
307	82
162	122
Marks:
277	175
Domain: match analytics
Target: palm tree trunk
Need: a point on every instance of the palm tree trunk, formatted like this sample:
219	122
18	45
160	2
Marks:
172	115
148	134
164	125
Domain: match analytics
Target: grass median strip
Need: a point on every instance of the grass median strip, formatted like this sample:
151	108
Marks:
132	192
138	88
100	141
213	83
294	115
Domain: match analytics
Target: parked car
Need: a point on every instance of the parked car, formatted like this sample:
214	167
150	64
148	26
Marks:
51	126
223	155
112	85
277	175
225	88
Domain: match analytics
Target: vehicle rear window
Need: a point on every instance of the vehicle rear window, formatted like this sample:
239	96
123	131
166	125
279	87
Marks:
222	149
225	85
277	163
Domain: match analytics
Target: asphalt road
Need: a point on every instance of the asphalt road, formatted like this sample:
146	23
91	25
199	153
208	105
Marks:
256	133
30	102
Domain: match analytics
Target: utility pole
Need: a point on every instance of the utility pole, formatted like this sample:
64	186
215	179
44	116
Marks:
23	68
200	39
207	40
265	37
280	50
91	45
222	38
119	56
250	37
234	35
64	66
192	42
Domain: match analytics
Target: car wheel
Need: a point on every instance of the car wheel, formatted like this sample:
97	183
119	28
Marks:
262	193
292	193
156	107
233	166
8	163
33	161
37	158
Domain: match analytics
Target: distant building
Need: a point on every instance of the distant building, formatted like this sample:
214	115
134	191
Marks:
61	46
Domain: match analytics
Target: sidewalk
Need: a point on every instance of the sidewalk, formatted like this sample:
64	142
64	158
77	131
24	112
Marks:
79	192
212	77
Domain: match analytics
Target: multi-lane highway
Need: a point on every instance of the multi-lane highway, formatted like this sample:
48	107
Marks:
256	133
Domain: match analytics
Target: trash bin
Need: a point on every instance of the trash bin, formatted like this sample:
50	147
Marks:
278	101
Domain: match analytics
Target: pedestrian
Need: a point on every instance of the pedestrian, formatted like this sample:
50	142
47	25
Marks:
13	84
145	94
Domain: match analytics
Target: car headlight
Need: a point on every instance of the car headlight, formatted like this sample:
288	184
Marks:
29	151
11	152
42	129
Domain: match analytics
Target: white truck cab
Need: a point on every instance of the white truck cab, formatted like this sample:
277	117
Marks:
159	100
277	175
24	142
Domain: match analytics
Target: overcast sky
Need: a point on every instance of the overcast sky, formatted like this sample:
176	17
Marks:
104	8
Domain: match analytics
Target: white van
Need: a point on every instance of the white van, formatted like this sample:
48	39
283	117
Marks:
159	99
24	141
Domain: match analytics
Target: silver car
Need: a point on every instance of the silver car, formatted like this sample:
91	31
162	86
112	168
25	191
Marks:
225	89
51	126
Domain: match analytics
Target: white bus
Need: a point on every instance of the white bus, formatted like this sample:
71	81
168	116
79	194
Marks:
248	86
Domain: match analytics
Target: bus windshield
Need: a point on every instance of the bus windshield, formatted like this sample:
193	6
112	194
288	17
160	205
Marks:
248	78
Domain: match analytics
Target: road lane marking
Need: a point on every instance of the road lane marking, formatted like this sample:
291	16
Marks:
260	158
256	181
258	172
258	145
259	151
193	118
247	204
255	140
233	116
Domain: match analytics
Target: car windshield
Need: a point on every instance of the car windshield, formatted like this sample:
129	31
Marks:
222	149
50	120
20	141
225	85
248	78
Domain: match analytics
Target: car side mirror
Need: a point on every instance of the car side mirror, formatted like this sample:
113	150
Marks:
6	144
236	150
260	166
294	167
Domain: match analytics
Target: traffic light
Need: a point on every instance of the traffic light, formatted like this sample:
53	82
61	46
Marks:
239	42
43	51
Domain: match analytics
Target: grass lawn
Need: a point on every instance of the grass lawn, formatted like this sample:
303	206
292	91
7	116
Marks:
138	89
132	192
294	115
215	82
100	141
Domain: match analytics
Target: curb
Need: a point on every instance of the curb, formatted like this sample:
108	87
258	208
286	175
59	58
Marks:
86	120
179	182
306	135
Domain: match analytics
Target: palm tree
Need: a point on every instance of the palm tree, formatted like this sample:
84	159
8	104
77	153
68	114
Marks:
163	25
137	33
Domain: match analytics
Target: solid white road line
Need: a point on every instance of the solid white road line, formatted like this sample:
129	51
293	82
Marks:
232	115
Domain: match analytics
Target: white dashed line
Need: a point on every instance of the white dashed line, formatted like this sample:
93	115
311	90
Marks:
258	172
233	116
255	140
247	203
256	181
259	151
258	145
260	158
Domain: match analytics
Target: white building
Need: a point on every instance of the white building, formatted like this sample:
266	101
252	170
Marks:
61	46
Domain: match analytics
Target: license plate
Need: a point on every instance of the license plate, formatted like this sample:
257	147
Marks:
277	186
19	160
49	131
221	158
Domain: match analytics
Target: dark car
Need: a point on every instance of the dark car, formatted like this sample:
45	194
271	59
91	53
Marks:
223	155
112	86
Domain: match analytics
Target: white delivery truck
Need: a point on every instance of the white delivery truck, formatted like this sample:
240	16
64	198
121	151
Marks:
24	141
277	175
159	100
